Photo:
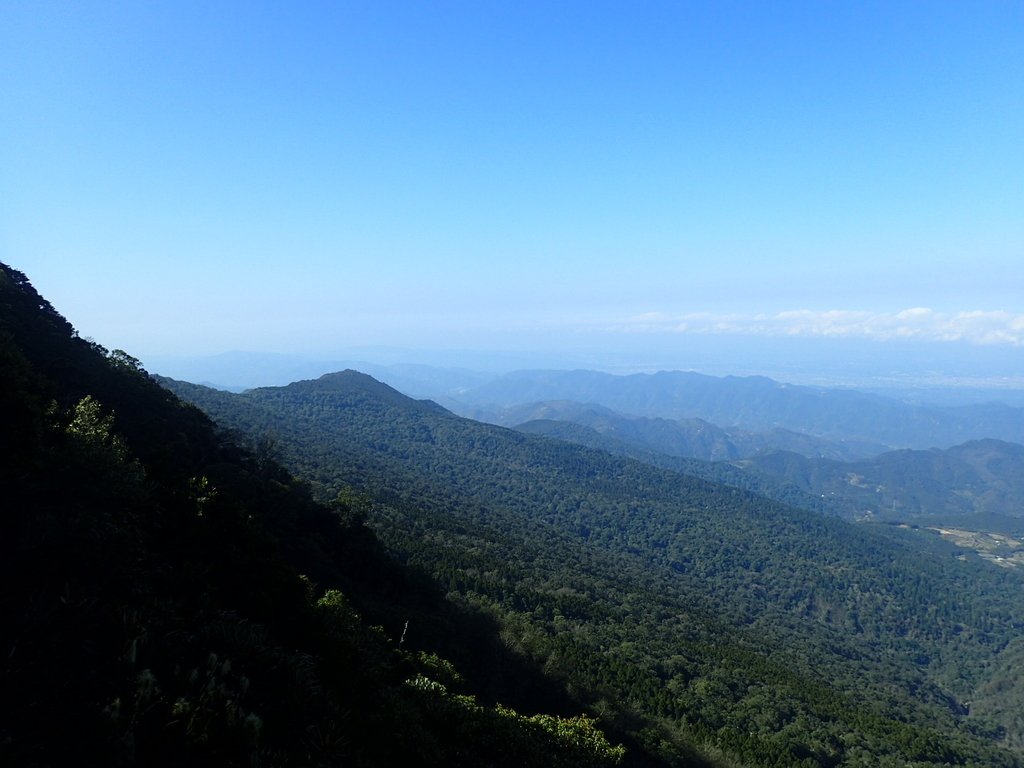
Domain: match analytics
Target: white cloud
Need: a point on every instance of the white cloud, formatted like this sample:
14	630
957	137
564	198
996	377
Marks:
918	323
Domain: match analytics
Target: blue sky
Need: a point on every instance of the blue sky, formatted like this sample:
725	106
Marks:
300	177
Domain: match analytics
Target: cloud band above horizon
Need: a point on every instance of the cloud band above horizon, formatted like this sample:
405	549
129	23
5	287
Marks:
917	324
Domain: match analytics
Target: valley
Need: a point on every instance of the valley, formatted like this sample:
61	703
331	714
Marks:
997	548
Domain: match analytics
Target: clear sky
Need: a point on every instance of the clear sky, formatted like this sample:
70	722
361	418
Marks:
193	177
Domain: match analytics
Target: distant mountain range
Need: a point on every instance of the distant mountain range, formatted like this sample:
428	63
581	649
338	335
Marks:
791	443
692	438
860	421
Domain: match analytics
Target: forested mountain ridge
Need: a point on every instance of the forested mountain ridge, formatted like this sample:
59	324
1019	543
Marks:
977	483
723	472
172	599
980	477
685	611
758	404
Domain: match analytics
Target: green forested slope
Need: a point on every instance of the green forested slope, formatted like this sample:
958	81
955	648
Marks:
981	477
977	485
685	611
172	600
781	489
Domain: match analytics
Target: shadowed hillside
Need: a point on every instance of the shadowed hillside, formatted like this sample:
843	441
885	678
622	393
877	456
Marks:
173	599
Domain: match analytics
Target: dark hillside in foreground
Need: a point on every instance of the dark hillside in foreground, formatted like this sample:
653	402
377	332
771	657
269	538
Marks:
686	612
173	600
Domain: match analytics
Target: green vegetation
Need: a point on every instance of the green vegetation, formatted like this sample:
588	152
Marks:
979	483
977	480
171	599
697	619
736	474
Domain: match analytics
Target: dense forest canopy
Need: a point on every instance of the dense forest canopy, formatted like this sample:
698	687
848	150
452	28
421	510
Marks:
979	483
703	613
176	597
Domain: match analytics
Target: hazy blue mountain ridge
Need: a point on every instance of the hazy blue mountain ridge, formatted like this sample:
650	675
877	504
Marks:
758	404
688	438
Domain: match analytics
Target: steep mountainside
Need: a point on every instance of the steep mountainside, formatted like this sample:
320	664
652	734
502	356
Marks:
759	404
688	613
173	600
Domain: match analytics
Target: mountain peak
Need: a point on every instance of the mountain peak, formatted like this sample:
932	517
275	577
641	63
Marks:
353	384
